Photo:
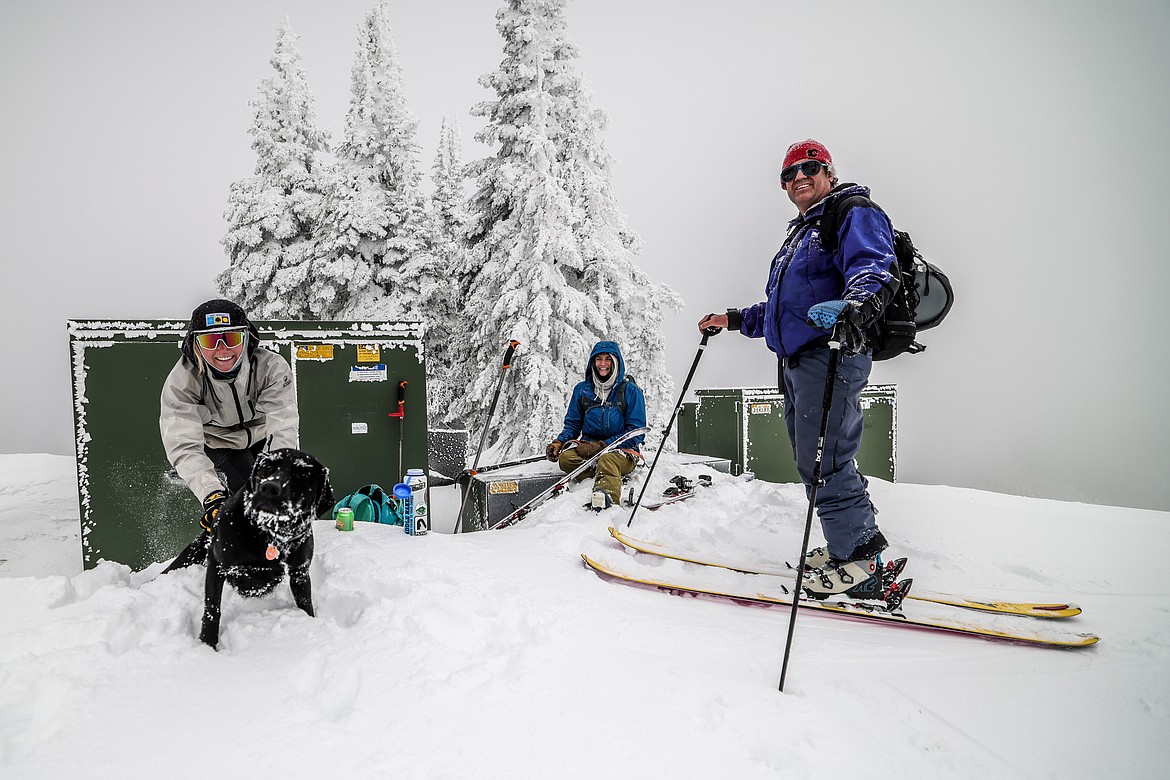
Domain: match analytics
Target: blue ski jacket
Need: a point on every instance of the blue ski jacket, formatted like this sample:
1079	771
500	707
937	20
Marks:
803	274
589	418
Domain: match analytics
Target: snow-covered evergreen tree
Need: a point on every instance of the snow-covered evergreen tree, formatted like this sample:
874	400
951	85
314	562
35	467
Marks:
554	254
448	377
273	216
377	246
633	305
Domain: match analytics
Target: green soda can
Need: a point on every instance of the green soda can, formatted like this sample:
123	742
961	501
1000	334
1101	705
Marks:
345	519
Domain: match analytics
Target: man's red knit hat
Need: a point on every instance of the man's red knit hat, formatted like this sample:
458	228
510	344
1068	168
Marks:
808	149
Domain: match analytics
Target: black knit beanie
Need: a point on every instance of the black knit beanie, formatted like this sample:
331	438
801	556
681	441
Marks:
217	315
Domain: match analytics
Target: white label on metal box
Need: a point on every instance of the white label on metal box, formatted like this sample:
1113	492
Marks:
371	373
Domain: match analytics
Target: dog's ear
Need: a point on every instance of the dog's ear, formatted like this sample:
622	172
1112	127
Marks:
261	461
325	495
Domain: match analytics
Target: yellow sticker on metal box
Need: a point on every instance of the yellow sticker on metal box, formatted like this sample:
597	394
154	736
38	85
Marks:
369	353
314	351
760	409
505	486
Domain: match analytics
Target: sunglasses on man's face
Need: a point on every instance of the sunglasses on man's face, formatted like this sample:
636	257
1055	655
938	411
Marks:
230	338
809	168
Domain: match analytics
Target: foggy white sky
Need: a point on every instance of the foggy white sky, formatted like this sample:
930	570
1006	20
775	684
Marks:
1023	143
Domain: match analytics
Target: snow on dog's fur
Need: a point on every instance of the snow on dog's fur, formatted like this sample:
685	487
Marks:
264	531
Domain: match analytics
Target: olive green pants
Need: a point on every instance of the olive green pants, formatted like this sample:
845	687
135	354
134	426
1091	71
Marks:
608	473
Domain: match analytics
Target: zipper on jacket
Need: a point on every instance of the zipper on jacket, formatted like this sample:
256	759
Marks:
793	239
240	412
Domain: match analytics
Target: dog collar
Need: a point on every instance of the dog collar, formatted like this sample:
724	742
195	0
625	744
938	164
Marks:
273	552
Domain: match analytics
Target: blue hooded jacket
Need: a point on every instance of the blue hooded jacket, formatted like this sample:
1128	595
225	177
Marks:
803	274
591	419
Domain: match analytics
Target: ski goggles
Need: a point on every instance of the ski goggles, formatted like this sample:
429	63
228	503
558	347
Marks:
809	168
230	338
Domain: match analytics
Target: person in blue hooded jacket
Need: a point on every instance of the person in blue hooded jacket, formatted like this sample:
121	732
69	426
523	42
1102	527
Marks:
809	292
604	406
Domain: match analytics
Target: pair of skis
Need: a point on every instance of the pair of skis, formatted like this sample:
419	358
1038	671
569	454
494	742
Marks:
762	585
563	483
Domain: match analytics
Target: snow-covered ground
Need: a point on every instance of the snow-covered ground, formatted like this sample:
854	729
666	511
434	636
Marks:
499	655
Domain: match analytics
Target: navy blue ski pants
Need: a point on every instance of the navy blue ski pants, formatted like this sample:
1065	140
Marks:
843	505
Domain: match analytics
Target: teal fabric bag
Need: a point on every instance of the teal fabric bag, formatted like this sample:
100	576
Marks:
370	504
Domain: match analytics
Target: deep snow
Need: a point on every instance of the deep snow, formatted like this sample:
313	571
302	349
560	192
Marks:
498	655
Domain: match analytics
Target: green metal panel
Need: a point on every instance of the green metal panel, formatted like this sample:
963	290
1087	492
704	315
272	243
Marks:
746	426
879	444
767	452
686	427
345	421
708	423
135	509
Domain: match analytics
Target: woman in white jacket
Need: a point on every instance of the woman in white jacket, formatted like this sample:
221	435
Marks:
224	402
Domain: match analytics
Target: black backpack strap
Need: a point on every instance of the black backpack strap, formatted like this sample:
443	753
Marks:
829	225
834	213
617	395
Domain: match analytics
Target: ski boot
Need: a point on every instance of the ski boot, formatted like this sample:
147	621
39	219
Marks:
869	581
819	556
859	579
599	501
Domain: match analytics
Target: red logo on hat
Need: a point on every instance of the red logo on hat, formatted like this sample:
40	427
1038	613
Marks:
807	149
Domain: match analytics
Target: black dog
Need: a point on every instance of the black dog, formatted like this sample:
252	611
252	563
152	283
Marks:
261	532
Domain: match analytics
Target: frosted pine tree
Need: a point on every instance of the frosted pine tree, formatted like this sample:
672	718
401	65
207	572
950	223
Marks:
378	260
448	377
556	254
632	304
273	216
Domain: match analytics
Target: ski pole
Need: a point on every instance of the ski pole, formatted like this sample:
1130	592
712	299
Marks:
400	415
707	333
509	464
830	380
505	365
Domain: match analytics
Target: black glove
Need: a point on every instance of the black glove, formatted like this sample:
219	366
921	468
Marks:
553	449
211	506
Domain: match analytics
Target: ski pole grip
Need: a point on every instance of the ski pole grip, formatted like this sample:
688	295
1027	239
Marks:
511	350
401	401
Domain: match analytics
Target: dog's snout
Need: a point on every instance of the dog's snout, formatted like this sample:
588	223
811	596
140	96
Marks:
269	489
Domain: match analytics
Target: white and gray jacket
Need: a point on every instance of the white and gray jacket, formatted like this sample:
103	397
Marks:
198	409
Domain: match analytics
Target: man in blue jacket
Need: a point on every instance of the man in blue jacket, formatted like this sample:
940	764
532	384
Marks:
809	292
604	406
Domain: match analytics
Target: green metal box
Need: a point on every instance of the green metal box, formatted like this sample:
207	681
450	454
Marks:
746	426
135	509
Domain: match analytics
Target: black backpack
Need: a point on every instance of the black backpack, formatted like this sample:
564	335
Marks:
922	300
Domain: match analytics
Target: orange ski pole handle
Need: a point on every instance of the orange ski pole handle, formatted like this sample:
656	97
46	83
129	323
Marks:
511	350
